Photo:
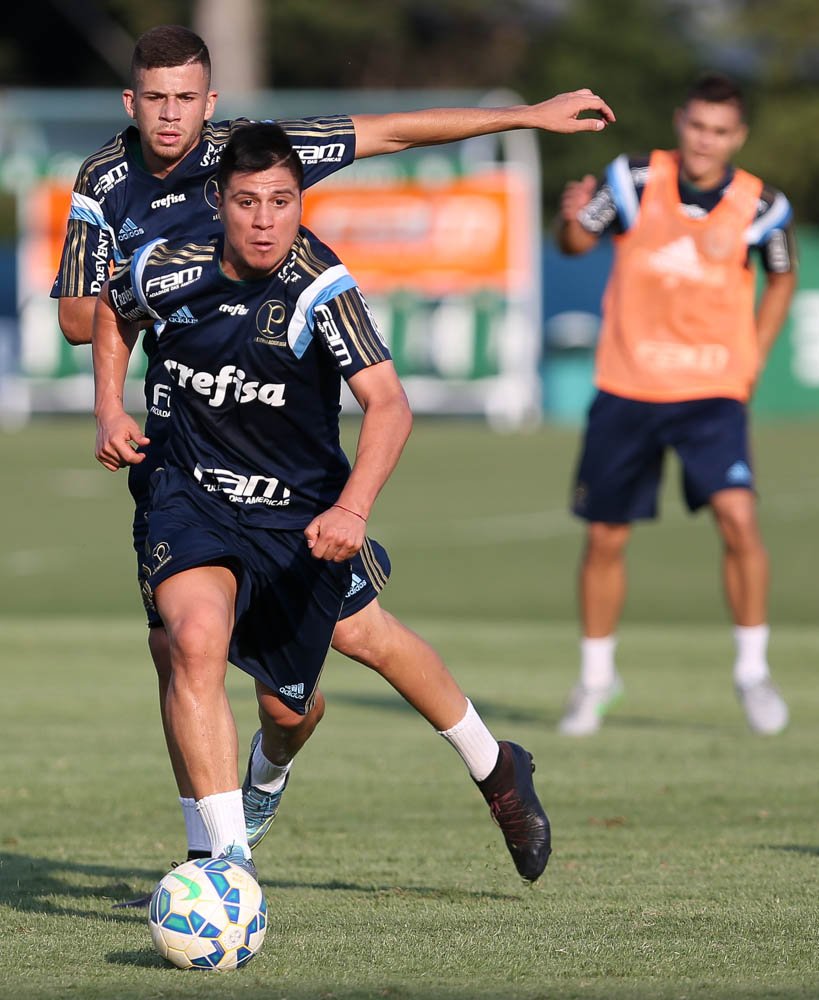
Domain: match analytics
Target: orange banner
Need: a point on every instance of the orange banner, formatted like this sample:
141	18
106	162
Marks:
457	237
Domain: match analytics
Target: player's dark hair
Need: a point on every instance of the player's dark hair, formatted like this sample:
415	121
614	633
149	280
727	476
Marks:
716	88
256	147
169	45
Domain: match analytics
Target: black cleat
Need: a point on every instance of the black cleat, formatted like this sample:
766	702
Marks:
143	902
515	807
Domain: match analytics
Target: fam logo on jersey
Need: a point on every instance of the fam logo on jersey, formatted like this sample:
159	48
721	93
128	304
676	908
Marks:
310	155
247	490
167	200
129	230
172	281
108	181
229	382
270	324
328	328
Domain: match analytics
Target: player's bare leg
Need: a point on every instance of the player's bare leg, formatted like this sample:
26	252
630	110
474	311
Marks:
602	591
197	607
746	580
381	642
502	771
282	734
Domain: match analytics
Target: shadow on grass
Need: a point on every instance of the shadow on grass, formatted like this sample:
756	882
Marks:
49	885
794	849
41	885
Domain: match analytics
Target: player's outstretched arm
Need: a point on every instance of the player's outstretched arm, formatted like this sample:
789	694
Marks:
112	341
339	532
390	133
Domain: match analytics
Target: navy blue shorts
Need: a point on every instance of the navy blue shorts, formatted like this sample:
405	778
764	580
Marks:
370	567
621	463
287	602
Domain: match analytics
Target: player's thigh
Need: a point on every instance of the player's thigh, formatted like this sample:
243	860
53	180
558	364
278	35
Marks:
621	461
710	437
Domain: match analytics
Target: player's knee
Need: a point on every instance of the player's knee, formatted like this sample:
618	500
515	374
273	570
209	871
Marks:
364	636
198	644
606	541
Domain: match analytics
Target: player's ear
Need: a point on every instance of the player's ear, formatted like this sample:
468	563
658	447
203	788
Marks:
677	120
128	101
210	104
740	136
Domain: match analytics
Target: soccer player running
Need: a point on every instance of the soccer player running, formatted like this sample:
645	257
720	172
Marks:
682	344
156	179
255	512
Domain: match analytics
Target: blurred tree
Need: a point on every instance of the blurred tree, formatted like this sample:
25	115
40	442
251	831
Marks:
640	56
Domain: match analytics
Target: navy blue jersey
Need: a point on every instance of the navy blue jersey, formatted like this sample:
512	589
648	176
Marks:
616	203
256	369
118	206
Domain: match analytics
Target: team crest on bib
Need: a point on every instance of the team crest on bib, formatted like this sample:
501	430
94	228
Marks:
270	324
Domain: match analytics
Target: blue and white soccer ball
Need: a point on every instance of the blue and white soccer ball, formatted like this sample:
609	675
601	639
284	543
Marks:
208	914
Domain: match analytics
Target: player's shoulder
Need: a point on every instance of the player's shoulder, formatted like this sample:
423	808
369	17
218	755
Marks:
311	259
100	171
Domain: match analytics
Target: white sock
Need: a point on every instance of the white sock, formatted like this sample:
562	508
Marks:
597	662
266	776
473	741
197	834
224	820
751	663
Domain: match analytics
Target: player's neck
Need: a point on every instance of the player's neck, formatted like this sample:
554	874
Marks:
711	181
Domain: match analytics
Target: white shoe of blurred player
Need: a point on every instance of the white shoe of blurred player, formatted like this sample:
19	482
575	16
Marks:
765	709
587	706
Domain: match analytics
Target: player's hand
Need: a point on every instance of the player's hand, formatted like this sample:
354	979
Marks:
562	113
118	435
336	535
576	195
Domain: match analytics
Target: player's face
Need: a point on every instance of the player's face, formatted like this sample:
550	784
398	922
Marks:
261	214
169	105
708	136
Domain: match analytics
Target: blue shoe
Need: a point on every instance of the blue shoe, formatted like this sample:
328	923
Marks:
260	807
236	856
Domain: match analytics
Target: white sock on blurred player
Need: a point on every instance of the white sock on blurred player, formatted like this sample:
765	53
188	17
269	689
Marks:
477	746
597	669
751	663
224	819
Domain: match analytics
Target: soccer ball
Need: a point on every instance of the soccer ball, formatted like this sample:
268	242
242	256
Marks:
208	914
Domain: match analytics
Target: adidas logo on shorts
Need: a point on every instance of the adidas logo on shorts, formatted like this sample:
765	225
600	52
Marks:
292	690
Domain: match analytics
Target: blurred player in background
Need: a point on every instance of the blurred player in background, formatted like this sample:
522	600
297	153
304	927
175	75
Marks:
682	345
256	513
156	180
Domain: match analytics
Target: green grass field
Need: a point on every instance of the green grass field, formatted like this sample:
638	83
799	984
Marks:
686	849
